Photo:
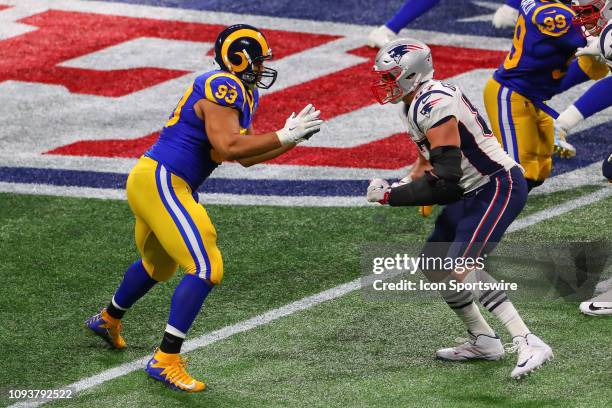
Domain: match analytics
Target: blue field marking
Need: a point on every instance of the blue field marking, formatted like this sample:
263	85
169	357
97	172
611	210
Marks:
94	179
592	145
444	18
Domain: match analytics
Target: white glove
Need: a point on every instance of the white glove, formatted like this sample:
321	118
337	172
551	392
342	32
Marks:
301	127
592	48
378	191
505	16
561	147
403	181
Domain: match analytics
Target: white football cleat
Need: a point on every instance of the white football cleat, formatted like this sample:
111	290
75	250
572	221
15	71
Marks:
600	305
480	347
505	16
596	308
380	36
561	146
532	354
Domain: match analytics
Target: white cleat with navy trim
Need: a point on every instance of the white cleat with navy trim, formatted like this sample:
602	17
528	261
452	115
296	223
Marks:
480	347
600	305
532	354
596	308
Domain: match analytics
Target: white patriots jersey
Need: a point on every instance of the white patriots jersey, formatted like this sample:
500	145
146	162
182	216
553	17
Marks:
604	42
482	155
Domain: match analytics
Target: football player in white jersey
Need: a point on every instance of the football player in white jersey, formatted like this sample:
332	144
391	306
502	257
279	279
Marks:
461	165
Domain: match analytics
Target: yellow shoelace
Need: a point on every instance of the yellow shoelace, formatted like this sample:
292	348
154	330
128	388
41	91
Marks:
177	372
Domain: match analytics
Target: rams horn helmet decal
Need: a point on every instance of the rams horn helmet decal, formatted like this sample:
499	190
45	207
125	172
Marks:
242	49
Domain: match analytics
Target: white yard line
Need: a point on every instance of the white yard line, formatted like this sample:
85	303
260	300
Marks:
560	209
303	304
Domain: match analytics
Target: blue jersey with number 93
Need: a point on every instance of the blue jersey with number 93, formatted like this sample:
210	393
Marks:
183	145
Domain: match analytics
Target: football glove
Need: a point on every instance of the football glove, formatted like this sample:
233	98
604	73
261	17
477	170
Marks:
300	127
592	48
378	191
561	147
505	16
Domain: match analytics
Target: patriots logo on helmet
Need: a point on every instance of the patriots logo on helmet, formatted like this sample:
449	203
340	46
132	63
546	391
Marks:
398	52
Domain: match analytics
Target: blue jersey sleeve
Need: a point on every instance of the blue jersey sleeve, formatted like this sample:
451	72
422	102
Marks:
574	76
226	90
553	19
597	98
410	11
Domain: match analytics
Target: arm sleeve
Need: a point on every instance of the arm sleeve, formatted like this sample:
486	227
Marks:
597	98
438	186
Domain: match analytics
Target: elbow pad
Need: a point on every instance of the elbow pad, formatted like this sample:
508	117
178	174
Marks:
438	186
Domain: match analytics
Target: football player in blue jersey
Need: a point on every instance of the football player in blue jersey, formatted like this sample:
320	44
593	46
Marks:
210	124
539	65
594	17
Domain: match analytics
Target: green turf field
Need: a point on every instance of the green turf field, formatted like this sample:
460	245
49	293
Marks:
62	258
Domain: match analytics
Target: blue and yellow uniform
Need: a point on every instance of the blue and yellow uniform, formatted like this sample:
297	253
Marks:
172	228
542	52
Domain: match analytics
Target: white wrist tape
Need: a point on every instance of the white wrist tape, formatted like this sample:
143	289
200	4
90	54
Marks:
569	118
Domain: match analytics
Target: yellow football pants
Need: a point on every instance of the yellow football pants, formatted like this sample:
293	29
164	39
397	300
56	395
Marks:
172	229
525	131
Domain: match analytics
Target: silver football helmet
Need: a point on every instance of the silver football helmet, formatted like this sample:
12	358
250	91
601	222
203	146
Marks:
591	15
400	67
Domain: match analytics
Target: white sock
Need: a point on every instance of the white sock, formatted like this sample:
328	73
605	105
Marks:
473	320
496	302
507	314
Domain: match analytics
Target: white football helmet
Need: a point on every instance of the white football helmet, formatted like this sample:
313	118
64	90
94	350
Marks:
592	15
400	67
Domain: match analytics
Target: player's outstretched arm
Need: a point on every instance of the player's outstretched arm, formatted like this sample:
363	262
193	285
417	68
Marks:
260	158
440	185
223	130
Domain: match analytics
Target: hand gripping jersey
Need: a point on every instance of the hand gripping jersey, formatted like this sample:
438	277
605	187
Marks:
482	154
183	146
542	48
